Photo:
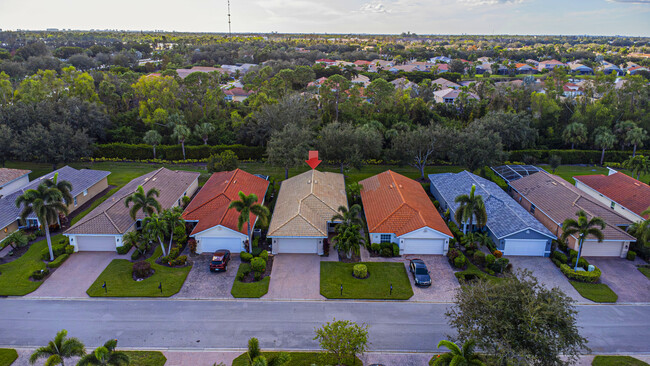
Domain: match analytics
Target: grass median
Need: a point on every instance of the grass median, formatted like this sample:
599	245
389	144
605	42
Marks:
596	292
249	289
376	286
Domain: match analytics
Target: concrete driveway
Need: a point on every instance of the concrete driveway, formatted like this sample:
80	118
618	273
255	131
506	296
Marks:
76	275
295	277
443	282
203	284
624	278
547	273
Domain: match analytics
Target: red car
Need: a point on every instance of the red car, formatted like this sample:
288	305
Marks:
220	260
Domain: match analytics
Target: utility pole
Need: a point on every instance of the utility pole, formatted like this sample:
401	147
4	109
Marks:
229	30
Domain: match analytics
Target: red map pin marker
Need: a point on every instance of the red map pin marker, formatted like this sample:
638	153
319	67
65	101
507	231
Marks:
313	159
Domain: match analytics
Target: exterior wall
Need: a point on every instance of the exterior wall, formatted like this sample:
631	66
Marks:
14	185
91	193
531	235
190	192
219	232
8	229
376	238
275	244
424	233
73	240
608	202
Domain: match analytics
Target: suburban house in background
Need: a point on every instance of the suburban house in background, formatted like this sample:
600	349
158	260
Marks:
525	69
549	65
303	213
552	200
86	184
580	69
12	180
398	210
216	225
619	191
102	229
511	228
236	94
450	96
445	84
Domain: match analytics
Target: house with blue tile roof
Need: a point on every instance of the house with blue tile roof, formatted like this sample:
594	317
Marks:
514	231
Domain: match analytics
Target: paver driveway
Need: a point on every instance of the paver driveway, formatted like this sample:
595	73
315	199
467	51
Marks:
203	284
624	278
547	273
295	276
443	282
76	275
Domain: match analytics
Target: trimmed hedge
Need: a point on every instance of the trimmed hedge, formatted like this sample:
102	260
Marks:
119	150
574	156
581	276
58	261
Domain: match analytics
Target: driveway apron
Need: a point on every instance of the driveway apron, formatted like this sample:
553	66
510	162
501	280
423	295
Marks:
624	278
295	276
201	283
547	273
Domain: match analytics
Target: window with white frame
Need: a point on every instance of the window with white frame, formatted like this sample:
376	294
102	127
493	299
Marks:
385	238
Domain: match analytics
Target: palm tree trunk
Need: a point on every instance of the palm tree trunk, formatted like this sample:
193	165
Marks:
171	238
286	173
250	239
575	268
154	151
205	140
46	228
162	246
183	146
602	157
634	151
572	145
341	167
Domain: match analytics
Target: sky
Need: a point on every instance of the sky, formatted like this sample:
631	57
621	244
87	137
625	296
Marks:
575	17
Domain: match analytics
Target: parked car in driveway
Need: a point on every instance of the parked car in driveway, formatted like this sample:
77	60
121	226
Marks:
420	272
220	260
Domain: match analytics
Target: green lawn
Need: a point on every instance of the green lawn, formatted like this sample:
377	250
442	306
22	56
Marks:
120	283
297	359
7	356
146	358
377	286
252	289
617	361
596	292
474	270
645	271
14	276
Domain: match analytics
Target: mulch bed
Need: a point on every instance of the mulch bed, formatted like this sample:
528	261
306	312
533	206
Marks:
251	276
137	279
354	258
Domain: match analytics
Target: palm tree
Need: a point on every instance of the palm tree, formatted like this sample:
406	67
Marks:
635	137
638	165
458	356
181	133
604	140
133	238
349	217
348	239
203	131
574	133
145	202
17	239
155	228
173	218
641	230
583	227
471	207
59	349
46	203
63	186
105	355
153	138
246	205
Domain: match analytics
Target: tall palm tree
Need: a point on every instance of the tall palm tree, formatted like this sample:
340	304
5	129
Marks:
348	239
173	218
105	355
46	203
155	228
636	137
457	356
17	239
641	230
604	140
638	165
203	131
471	206
63	186
349	217
246	205
153	138
574	133
583	227
59	349
145	202
181	133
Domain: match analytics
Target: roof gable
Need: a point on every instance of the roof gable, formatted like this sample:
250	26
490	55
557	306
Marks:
623	189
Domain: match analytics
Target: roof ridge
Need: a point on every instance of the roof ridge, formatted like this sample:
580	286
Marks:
112	222
230	180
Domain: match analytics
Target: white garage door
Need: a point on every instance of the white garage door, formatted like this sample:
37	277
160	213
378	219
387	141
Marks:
423	246
295	245
210	245
533	248
604	249
96	243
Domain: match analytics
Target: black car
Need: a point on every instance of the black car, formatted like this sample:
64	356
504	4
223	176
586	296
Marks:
420	272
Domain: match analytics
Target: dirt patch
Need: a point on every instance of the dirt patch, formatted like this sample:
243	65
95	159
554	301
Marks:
250	277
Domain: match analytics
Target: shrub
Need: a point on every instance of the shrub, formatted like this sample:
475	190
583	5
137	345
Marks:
257	275
453	253
581	263
174	152
180	261
191	243
245	257
387	252
395	250
135	255
69	249
573	253
489	259
123	249
224	161
581	276
470	252
460	261
557	255
498	253
141	269
256	251
173	254
375	247
40	274
479	258
360	270
386	244
631	255
58	261
437	204
253	348
258	264
264	255
561	245
57	249
180	234
500	265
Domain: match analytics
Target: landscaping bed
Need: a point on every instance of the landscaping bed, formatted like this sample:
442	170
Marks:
119	279
375	286
617	361
587	283
146	358
297	359
7	356
596	292
251	283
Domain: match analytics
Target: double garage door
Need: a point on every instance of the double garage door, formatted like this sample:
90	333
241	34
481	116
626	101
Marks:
533	248
297	245
210	245
96	243
592	248
423	246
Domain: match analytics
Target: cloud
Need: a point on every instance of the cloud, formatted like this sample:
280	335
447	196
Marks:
374	8
491	2
630	1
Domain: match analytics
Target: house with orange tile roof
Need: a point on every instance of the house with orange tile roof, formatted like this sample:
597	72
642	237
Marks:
215	224
398	210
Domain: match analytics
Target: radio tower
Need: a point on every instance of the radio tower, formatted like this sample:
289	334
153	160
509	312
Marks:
229	31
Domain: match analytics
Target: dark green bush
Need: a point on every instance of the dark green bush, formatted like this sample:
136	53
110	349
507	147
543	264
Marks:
453	253
58	261
386	244
631	255
69	249
573	253
559	256
135	255
174	152
179	261
264	255
470	252
141	269
500	265
490	259
224	161
40	274
460	261
245	257
479	258
582	276
375	247
387	252
258	264
57	249
573	156
395	250
581	263
123	249
256	251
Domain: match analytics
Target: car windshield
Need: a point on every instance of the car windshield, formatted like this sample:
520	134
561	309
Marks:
420	271
216	262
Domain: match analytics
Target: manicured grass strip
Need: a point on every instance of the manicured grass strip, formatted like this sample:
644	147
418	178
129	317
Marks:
596	292
146	358
617	361
252	289
377	286
120	283
297	359
14	276
645	271
7	356
473	270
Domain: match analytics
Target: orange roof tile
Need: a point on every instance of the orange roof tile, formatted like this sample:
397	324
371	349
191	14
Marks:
210	206
623	189
396	204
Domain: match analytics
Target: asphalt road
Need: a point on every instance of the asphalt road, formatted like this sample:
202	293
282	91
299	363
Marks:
206	324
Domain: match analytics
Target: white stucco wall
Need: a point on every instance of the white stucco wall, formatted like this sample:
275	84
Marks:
607	202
